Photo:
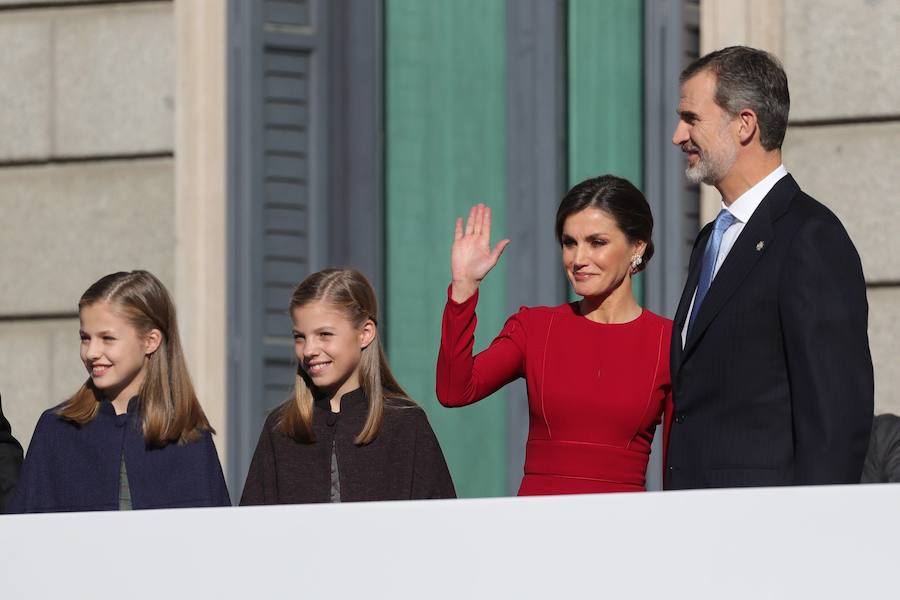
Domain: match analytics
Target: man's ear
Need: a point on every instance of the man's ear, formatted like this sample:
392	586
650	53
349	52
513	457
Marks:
152	341
367	334
749	126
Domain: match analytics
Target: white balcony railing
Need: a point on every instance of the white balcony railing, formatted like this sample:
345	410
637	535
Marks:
814	542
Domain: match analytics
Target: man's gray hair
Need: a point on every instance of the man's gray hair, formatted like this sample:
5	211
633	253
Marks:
749	78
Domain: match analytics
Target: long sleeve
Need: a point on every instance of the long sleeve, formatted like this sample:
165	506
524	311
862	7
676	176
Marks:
261	486
431	477
10	460
463	379
824	321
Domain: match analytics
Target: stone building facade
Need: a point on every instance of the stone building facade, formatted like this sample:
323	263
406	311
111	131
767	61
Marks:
114	155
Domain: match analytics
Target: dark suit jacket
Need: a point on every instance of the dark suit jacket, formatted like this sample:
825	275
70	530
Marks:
774	385
10	460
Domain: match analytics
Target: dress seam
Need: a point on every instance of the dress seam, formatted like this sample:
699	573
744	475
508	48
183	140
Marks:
652	383
602	445
532	473
544	376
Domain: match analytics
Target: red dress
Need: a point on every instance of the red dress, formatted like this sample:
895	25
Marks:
595	391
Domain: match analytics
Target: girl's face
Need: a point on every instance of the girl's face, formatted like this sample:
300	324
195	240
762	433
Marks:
329	347
113	351
596	252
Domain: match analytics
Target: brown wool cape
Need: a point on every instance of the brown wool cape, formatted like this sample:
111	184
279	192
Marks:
404	462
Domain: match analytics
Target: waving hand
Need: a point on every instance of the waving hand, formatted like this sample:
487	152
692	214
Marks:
472	257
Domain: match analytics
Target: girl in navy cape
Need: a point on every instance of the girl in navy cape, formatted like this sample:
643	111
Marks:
134	435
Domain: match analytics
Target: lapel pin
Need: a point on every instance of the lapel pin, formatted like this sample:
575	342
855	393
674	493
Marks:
760	245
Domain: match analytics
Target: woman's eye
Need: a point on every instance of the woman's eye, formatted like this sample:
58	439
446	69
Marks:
568	243
598	243
327	334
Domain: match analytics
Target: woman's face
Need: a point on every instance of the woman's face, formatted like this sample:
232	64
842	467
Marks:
329	347
113	351
596	253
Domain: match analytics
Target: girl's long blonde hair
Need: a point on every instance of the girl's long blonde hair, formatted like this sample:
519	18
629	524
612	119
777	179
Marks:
350	292
168	406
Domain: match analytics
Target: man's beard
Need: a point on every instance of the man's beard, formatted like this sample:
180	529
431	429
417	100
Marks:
709	169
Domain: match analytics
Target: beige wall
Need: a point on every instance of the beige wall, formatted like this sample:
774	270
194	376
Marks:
87	178
843	142
91	182
87	81
200	201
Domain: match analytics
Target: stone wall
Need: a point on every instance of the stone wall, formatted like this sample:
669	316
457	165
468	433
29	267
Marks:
843	142
86	177
844	147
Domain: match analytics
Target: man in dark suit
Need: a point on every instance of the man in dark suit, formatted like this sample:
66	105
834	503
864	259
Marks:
10	460
771	371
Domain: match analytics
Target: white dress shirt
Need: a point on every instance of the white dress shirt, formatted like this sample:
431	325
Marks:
742	209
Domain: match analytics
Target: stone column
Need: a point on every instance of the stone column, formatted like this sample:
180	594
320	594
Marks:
200	200
756	23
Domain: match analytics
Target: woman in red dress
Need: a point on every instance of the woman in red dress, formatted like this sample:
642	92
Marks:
597	370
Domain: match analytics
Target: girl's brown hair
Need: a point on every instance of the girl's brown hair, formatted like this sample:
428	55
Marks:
168	406
350	292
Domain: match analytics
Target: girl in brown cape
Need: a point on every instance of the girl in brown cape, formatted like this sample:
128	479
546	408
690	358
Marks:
350	432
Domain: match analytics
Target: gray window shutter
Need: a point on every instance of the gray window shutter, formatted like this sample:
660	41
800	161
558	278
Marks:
286	236
276	112
304	143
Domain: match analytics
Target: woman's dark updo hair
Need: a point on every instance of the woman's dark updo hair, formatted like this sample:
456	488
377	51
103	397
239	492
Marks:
619	199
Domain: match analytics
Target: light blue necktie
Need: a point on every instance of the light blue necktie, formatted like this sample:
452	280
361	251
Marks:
710	255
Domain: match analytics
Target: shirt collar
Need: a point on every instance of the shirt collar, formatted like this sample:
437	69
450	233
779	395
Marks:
747	203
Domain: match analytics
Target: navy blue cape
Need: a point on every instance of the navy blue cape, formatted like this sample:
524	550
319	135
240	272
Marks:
71	467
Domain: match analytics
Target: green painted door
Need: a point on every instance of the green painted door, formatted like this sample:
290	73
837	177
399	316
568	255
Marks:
445	130
605	42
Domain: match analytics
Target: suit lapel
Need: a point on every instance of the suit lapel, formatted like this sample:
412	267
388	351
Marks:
688	293
752	243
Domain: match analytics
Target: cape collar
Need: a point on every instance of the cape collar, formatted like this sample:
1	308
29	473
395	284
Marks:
107	410
106	407
353	402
